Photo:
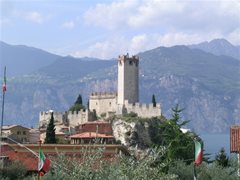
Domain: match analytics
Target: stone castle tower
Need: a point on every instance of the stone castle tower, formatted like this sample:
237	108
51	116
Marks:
128	69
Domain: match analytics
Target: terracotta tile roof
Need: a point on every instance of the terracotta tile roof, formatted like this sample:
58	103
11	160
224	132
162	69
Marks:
90	135
28	160
6	127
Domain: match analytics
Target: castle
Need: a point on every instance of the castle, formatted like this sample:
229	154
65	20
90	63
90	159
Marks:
107	104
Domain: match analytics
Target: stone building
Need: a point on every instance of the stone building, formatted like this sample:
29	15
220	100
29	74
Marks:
16	132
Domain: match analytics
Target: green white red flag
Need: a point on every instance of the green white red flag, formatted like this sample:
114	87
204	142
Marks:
198	153
5	81
43	163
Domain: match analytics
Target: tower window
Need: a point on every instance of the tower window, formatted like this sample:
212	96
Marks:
130	62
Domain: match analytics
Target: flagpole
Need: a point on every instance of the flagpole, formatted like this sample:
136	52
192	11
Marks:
194	172
194	164
40	144
3	97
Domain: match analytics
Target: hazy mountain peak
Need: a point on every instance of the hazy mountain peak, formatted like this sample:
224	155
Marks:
219	47
21	59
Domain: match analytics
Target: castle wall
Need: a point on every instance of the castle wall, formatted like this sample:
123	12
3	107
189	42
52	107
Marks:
44	118
128	79
103	102
75	118
143	110
70	118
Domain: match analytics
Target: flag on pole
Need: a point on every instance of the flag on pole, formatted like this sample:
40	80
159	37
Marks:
43	163
198	153
4	81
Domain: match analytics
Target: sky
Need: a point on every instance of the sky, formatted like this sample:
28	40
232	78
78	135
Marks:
108	28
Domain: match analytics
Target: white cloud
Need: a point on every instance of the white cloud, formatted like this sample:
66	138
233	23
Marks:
110	15
69	24
222	16
154	12
234	37
35	17
146	24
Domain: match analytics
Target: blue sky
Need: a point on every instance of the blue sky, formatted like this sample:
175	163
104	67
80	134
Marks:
105	29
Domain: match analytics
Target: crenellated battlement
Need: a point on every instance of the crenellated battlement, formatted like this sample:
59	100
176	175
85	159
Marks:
71	118
132	59
141	105
143	110
103	95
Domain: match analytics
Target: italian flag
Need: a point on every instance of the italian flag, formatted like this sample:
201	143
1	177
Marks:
43	163
4	81
198	153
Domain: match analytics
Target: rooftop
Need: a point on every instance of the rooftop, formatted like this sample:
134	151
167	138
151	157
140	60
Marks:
6	127
90	135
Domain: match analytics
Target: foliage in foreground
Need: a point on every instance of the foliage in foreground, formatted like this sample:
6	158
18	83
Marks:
13	171
205	171
221	158
94	167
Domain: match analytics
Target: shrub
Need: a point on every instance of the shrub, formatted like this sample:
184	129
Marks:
13	171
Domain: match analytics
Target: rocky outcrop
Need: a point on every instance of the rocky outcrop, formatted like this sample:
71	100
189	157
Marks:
134	135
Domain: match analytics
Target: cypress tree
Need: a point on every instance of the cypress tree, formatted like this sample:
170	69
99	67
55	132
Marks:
222	158
50	133
154	100
77	105
79	100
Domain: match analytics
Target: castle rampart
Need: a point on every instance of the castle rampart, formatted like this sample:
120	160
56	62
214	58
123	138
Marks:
103	102
143	110
66	118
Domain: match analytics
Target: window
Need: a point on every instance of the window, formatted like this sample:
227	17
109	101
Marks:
130	62
110	104
24	132
18	133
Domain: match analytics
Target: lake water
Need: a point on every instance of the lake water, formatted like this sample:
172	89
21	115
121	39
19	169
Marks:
214	142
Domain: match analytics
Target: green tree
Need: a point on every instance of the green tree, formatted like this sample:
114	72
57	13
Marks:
221	158
179	145
50	133
154	100
77	105
79	100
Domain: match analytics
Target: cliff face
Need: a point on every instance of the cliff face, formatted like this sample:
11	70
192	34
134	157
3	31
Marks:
134	135
207	110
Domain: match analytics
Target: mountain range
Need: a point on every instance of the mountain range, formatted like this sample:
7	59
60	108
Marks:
202	78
